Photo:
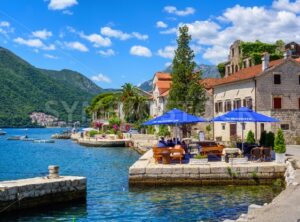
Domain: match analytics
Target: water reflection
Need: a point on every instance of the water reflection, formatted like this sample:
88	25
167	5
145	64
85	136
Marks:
108	195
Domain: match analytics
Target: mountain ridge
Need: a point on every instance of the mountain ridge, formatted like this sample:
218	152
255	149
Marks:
25	89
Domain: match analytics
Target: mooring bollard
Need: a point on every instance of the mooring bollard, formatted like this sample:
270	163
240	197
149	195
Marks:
53	171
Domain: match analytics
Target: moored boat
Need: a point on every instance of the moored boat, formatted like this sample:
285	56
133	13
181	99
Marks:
2	133
44	141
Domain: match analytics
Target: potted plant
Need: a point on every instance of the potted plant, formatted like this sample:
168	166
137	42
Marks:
237	159
279	147
199	159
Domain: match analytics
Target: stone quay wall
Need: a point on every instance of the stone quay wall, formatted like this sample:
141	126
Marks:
146	172
36	192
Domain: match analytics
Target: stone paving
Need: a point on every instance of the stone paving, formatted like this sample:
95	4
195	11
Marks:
146	172
26	193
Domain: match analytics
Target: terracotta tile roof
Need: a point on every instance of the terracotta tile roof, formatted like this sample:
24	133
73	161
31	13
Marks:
166	93
163	86
247	73
210	82
163	76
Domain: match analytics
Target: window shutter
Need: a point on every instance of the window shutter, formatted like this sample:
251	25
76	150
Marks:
277	103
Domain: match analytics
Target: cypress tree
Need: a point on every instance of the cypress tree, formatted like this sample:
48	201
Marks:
186	92
279	143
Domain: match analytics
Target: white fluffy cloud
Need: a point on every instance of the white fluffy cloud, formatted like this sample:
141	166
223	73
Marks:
61	4
140	51
49	56
107	53
96	39
118	34
169	31
101	78
42	34
161	24
34	43
287	5
107	31
139	36
214	36
5	28
4	24
174	10
76	46
167	52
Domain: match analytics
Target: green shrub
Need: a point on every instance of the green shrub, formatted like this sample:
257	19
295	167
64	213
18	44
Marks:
163	131
263	138
200	156
250	137
270	139
279	143
114	121
92	133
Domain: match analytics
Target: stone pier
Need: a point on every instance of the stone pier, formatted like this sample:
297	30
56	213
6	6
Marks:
40	191
146	172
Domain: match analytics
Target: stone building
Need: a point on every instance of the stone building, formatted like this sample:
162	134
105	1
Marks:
272	88
294	49
161	88
234	63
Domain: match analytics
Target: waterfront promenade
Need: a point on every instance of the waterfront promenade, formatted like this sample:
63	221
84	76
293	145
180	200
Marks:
146	172
285	207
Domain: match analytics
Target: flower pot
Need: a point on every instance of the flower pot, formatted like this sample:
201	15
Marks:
238	160
280	157
198	161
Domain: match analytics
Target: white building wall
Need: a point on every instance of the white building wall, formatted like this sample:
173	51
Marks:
233	91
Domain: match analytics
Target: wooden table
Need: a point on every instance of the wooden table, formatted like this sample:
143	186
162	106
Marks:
231	151
166	158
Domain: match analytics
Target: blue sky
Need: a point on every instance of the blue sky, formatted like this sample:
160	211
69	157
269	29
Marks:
118	41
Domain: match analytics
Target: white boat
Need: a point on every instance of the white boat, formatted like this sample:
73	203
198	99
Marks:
2	133
44	141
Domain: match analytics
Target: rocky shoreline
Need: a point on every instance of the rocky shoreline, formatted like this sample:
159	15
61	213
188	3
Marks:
285	207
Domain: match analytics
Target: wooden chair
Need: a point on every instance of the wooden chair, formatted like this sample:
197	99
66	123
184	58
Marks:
177	154
266	153
157	153
256	153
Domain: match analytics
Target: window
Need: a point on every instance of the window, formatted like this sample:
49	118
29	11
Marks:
232	52
247	102
227	107
277	79
237	104
223	126
245	64
218	107
262	127
277	103
220	104
285	126
236	68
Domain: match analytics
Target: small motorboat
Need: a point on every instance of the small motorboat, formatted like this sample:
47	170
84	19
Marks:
2	133
14	138
44	141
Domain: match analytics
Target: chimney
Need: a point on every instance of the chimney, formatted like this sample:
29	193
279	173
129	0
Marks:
265	61
287	54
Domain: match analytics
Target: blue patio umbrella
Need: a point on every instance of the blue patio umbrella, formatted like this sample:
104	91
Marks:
175	117
243	115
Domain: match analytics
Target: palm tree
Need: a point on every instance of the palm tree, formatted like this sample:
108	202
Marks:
135	105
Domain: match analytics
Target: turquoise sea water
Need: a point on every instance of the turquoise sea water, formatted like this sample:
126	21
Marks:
109	197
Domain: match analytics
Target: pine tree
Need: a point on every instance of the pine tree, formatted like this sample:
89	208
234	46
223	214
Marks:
186	92
250	137
279	143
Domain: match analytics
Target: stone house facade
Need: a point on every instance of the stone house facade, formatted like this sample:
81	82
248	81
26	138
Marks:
234	59
272	88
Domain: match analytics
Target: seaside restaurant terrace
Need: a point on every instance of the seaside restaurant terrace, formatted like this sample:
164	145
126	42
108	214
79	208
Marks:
190	151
